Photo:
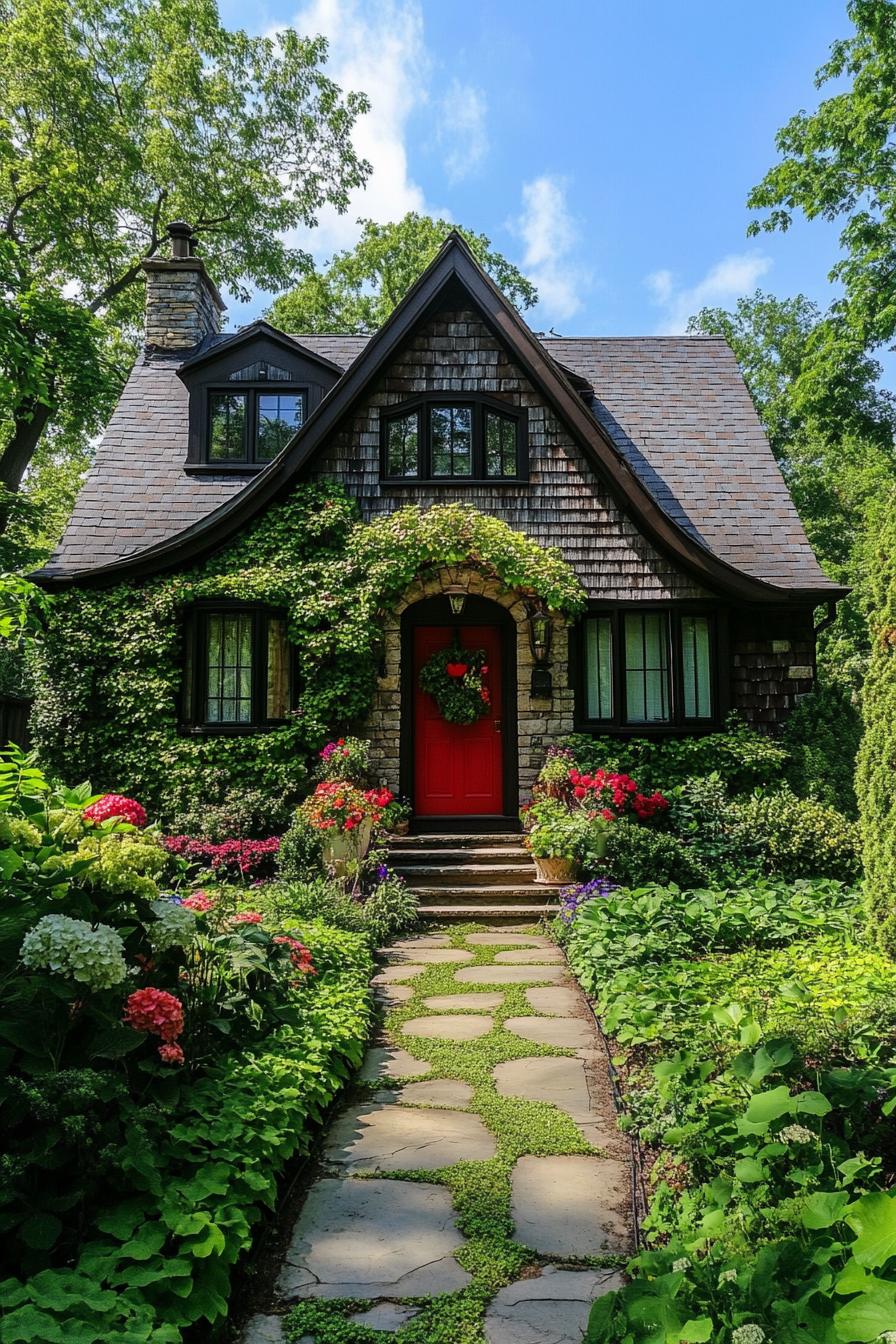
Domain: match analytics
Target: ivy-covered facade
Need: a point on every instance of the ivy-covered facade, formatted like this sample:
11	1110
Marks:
280	530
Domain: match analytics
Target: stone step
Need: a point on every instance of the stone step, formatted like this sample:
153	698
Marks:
440	840
468	874
492	854
489	914
471	896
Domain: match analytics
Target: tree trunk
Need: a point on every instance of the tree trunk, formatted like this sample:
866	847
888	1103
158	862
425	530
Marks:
19	451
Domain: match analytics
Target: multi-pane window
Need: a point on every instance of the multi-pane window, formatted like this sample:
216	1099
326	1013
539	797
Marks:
647	669
227	427
252	426
647	690
402	439
696	667
599	668
451	440
458	441
278	416
500	444
237	668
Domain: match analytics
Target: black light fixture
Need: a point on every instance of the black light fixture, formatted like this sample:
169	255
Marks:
540	632
457	597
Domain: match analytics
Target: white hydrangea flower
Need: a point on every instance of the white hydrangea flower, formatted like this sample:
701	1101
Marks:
173	927
748	1334
71	947
679	1266
796	1134
728	1276
888	1337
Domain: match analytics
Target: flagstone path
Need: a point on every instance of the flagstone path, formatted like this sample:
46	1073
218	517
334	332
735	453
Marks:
476	1188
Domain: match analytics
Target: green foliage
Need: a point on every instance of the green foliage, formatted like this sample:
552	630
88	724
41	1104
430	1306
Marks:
174	116
874	780
796	837
358	289
389	909
558	832
637	854
301	850
822	736
111	659
743	758
754	1040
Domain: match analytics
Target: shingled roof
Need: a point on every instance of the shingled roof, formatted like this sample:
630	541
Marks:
674	409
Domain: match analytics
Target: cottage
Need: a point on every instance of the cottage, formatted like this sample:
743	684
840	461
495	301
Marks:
641	459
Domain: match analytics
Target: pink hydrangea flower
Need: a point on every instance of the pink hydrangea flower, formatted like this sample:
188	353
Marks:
115	807
155	1011
200	903
247	917
171	1054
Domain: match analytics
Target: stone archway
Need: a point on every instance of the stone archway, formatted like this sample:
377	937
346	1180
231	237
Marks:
539	722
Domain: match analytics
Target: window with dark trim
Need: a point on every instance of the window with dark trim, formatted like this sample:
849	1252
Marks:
252	425
647	669
458	440
238	668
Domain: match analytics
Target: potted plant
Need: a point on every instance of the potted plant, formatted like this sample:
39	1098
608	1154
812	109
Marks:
558	836
345	816
396	817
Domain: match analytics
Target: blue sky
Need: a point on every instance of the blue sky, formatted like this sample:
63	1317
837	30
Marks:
606	148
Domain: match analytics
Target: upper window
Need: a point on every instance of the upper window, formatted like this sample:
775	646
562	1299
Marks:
237	668
647	669
440	440
254	425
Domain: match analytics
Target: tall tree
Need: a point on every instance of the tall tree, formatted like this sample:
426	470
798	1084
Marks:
115	117
358	289
839	162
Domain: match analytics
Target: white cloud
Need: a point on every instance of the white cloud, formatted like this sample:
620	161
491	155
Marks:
380	51
462	131
723	283
549	234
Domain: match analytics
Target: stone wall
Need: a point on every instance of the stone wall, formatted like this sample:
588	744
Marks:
539	722
182	304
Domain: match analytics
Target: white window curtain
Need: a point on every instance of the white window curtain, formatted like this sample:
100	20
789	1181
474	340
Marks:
696	667
599	668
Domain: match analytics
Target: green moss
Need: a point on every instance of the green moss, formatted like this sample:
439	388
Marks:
480	1190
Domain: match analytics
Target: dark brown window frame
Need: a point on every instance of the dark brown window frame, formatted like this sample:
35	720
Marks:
251	391
481	406
677	724
195	667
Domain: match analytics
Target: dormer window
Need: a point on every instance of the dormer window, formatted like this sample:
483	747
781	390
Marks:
441	438
252	426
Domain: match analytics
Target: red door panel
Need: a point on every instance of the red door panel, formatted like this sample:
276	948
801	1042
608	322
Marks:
458	767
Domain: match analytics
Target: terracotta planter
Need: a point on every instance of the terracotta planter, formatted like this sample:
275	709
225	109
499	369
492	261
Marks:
554	870
401	828
345	847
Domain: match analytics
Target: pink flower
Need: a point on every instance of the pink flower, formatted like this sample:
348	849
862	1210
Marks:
171	1054
299	954
199	903
155	1011
247	917
115	807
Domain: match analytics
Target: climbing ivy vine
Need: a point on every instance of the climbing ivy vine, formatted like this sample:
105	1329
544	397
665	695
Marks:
112	661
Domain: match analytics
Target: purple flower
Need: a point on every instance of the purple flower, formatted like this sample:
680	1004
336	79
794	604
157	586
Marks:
382	872
573	898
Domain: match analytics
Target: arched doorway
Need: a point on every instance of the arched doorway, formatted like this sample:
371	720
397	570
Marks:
459	776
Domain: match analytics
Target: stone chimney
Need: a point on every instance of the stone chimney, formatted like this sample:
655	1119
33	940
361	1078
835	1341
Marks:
182	304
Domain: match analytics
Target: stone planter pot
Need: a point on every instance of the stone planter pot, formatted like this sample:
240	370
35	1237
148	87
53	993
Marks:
345	847
553	870
401	828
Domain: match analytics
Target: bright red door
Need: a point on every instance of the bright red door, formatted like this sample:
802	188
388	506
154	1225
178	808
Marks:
458	767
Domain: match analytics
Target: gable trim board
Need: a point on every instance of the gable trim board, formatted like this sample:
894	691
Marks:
453	270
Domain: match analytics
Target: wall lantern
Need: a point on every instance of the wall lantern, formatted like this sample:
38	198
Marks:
540	632
457	597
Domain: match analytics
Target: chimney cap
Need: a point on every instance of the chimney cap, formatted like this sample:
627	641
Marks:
182	240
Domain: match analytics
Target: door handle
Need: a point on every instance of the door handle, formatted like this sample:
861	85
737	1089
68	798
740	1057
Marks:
497	725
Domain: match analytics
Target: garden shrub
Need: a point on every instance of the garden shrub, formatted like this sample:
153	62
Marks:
796	837
636	855
822	736
301	851
111	659
877	755
743	758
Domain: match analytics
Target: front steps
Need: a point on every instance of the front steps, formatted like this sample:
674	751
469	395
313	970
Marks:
487	878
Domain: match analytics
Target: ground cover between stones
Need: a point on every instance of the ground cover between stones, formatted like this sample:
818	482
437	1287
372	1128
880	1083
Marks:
477	1293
